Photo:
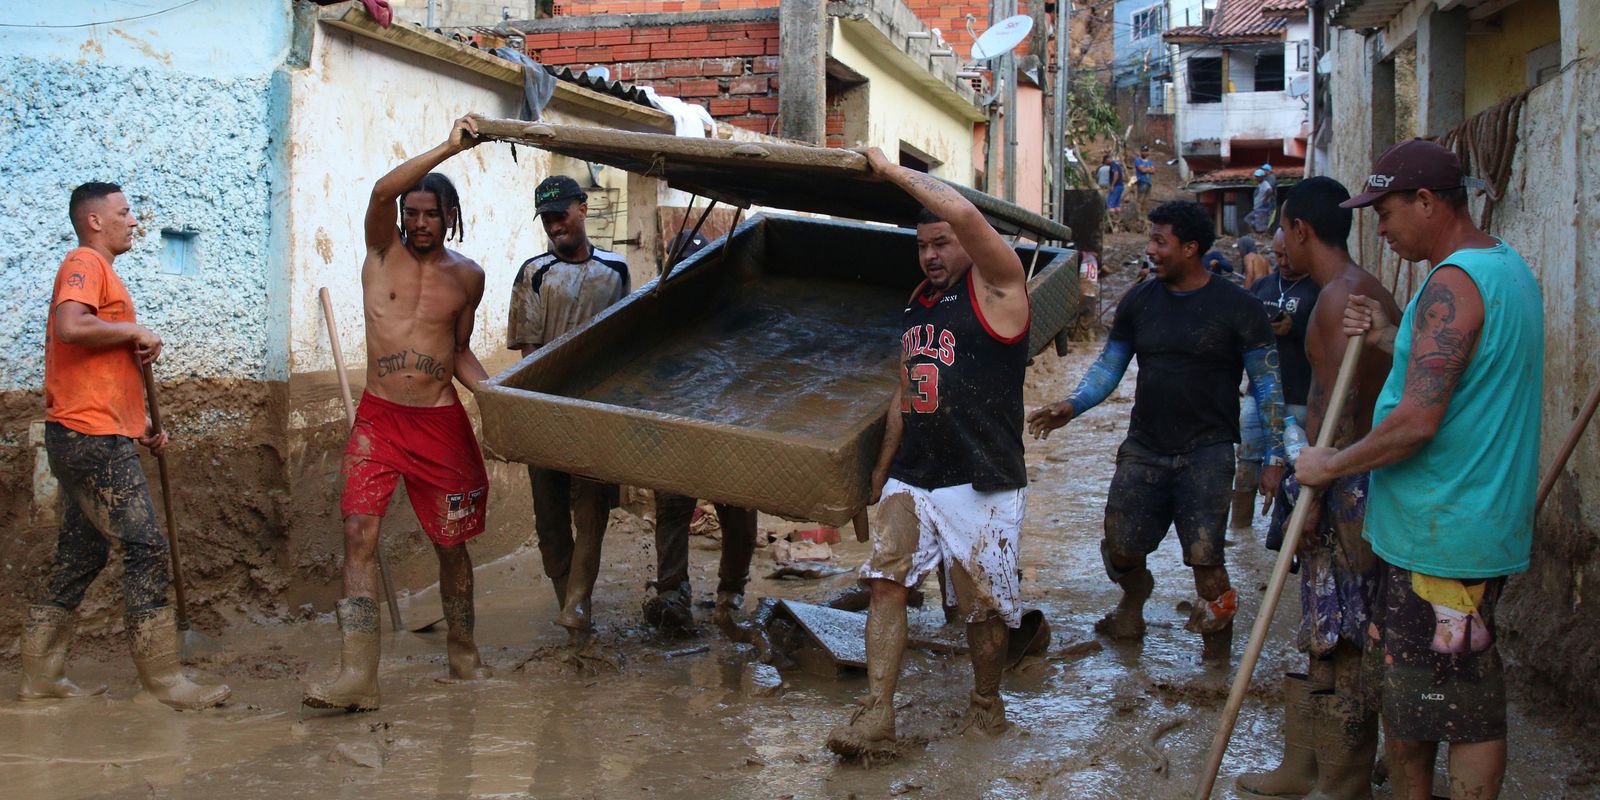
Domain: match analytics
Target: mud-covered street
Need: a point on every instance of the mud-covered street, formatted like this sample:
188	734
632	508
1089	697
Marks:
1090	720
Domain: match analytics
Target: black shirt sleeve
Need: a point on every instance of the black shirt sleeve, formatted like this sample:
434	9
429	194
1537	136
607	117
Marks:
1123	326
1255	331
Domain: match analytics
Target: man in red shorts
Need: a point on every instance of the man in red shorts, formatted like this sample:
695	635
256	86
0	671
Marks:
419	298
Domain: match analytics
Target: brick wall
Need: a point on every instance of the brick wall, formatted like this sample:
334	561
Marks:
572	8
731	69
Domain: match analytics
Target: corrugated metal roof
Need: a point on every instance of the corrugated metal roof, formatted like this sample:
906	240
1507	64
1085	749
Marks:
1243	19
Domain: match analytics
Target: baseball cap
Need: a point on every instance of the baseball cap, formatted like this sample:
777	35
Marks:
1144	148
1266	167
1258	173
1408	166
556	193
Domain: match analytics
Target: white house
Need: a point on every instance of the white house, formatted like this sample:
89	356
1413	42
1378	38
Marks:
1241	79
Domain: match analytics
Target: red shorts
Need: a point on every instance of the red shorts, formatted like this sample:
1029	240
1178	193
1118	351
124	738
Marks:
434	449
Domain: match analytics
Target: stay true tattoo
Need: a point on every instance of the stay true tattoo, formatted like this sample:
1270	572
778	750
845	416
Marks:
1441	350
424	363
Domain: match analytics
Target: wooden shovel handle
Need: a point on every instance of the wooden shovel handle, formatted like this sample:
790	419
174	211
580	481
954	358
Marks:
166	500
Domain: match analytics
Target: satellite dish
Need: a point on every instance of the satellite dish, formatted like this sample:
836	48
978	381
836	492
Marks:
1002	37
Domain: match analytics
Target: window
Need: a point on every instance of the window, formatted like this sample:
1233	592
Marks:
1302	56
177	252
1269	70
1147	23
1205	80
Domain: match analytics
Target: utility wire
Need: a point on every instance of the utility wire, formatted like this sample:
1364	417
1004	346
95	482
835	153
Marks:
102	22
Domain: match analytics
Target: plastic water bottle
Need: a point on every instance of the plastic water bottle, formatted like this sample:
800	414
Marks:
1294	438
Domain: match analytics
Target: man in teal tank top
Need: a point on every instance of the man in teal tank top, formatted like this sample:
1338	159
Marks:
1454	453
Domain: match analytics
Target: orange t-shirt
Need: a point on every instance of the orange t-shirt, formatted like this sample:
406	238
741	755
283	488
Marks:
97	391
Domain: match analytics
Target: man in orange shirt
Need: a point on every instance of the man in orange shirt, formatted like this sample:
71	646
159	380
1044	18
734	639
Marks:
94	410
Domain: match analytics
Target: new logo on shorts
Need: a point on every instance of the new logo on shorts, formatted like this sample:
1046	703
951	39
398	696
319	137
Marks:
462	504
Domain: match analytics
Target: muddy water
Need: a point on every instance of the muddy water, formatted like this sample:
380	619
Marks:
810	358
673	721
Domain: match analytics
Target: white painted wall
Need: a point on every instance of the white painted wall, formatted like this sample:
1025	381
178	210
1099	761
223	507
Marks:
360	109
901	112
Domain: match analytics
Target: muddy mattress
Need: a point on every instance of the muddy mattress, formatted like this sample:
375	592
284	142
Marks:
758	375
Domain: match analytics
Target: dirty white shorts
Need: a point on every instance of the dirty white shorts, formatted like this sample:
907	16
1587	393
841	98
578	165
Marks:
918	529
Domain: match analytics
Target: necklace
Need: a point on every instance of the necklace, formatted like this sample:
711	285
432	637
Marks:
1283	290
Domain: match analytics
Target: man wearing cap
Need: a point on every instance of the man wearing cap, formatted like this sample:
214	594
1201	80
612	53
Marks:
555	292
1453	453
1144	169
1260	216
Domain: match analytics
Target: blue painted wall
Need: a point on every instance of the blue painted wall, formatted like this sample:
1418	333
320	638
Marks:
179	109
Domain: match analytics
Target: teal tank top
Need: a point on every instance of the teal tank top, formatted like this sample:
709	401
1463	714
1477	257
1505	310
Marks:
1462	506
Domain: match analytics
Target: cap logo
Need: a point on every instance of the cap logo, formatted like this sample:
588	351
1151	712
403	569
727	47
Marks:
1379	181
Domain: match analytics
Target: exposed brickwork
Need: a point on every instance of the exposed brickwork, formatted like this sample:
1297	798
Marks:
732	68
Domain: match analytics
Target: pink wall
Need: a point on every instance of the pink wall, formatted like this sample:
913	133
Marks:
1030	148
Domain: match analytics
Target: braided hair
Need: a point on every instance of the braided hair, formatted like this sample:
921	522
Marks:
445	193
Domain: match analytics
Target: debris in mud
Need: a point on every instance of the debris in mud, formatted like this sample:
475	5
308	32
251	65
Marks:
760	680
687	651
357	754
1148	745
800	551
1078	650
805	570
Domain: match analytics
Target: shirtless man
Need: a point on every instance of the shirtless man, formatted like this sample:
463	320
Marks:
1330	728
419	298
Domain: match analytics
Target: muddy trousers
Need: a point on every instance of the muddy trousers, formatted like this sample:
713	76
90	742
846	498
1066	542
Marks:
107	497
564	505
673	514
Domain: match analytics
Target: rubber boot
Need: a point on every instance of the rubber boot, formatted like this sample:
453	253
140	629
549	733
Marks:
1296	774
356	687
45	637
1346	744
1126	621
153	637
461	649
1245	477
576	607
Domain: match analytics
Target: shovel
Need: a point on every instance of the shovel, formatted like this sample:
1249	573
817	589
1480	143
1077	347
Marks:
191	643
350	416
1280	574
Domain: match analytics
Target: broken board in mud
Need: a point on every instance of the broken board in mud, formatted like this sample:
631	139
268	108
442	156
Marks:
842	635
759	373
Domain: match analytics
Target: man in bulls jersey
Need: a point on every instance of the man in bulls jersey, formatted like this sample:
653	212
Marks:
950	481
1195	334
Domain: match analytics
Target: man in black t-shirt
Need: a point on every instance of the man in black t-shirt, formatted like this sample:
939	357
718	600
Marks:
1287	295
1194	335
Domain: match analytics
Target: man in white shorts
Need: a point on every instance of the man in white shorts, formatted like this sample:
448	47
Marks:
951	476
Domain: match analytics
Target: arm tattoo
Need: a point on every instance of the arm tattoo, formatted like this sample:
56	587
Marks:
1262	365
1103	376
930	184
1441	350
